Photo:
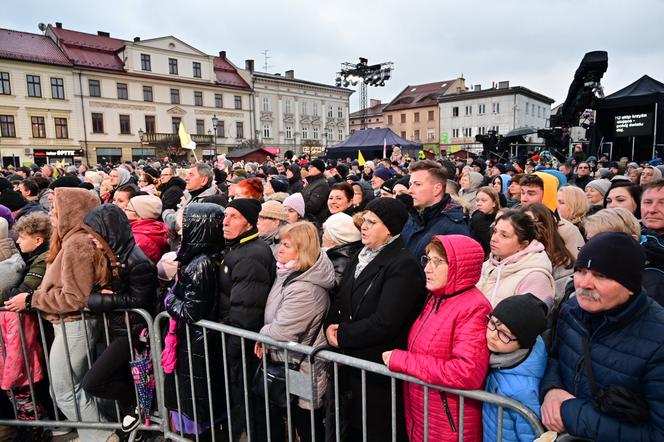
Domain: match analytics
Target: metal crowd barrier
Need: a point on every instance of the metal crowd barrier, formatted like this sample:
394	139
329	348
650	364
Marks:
298	384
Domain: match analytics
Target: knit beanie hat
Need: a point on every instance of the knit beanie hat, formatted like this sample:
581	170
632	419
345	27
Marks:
274	210
318	164
392	212
279	184
370	165
615	255
13	200
248	207
601	185
524	315
341	229
72	181
382	173
295	202
146	206
388	186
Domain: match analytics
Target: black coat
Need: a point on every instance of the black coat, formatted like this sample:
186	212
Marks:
172	192
375	313
315	199
191	299
341	256
480	229
134	282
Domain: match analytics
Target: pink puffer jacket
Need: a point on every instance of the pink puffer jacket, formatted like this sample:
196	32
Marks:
447	347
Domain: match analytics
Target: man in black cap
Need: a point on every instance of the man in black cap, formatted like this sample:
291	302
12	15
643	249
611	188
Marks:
609	344
315	193
247	274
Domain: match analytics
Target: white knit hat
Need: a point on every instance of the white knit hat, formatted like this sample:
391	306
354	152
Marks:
146	206
295	202
341	229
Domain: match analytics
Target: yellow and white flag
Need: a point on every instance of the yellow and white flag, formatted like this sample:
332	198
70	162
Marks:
360	158
185	140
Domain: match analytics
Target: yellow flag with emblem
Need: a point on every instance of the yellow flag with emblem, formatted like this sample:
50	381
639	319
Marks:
185	140
360	158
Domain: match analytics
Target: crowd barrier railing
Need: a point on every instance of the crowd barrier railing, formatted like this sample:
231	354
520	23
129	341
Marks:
237	405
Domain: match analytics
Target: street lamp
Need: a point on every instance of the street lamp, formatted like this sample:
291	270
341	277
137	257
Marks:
141	136
215	122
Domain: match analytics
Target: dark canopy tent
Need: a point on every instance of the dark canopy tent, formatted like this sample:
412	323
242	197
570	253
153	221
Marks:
370	142
630	118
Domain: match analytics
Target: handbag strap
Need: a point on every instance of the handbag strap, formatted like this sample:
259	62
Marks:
587	362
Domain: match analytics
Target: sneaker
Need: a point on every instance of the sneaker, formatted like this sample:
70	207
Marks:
130	422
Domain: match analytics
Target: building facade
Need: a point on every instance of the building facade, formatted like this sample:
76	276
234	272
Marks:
374	117
297	115
501	108
414	113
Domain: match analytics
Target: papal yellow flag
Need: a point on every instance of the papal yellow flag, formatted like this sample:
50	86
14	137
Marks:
185	140
360	158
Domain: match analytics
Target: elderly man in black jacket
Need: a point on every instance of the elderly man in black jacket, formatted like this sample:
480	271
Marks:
247	274
315	193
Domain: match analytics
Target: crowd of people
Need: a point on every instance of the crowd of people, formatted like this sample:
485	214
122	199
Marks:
539	281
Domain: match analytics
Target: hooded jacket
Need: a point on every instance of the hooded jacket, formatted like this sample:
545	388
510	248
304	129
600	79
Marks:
295	310
134	276
527	271
32	277
470	195
11	265
520	383
315	198
151	236
72	275
171	192
447	347
443	218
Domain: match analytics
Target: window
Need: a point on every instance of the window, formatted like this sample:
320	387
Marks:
175	96
97	123
5	85
267	131
403	134
481	130
416	135
218	101
198	98
221	129
496	108
38	127
175	124
61	130
469	110
416	117
7	128
481	109
288	106
239	129
58	88
430	116
539	111
340	134
197	69
150	125
266	104
315	109
431	134
147	93
330	112
172	66
305	133
467	131
125	128
403	118
238	102
389	119
304	109
328	133
316	134
455	133
34	86
455	111
93	88
527	108
200	127
146	65
289	132
123	94
340	112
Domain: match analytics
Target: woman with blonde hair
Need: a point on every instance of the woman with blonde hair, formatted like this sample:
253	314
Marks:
573	205
295	310
616	219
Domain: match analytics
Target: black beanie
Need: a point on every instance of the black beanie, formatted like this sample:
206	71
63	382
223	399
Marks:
615	255
524	315
318	164
65	181
279	184
12	200
248	207
392	212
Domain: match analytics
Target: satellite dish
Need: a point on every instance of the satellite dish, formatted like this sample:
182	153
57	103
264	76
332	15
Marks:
42	27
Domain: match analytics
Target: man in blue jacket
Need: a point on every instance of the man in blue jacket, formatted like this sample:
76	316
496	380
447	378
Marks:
622	329
433	212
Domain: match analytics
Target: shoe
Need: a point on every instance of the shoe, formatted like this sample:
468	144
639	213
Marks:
60	431
130	422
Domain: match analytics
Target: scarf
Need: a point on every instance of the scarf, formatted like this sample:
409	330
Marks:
508	360
367	255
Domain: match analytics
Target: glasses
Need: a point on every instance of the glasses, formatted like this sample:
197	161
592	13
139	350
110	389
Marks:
504	337
436	262
369	222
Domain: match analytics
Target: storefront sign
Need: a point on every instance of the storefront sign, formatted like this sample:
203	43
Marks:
58	153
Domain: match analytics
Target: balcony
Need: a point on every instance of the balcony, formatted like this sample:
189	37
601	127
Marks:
174	139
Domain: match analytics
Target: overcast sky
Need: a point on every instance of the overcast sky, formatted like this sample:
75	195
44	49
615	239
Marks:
533	43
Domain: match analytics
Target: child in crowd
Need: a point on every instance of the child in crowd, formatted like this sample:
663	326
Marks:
517	362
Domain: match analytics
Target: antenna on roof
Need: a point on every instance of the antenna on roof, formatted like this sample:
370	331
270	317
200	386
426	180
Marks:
42	27
266	55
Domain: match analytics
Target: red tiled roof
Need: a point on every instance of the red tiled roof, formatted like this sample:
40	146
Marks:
93	58
25	46
371	111
419	95
90	50
83	39
227	73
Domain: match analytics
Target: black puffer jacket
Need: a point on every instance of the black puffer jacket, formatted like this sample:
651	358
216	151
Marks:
315	199
192	298
653	272
341	257
171	193
134	282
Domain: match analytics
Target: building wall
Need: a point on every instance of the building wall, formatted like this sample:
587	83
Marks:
373	122
20	149
425	131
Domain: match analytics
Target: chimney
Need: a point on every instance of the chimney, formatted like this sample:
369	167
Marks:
137	39
373	102
222	54
477	87
58	25
249	65
103	34
290	74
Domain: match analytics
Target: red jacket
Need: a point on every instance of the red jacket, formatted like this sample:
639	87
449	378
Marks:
447	347
151	236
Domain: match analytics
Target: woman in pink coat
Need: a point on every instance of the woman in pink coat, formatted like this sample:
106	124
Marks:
447	343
